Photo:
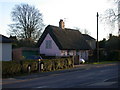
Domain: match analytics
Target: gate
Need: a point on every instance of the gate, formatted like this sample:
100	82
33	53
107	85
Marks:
76	60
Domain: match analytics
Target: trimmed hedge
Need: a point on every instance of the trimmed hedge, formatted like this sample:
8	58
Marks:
56	64
12	68
26	63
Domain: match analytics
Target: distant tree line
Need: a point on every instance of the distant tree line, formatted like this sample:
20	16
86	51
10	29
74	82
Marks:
113	43
110	49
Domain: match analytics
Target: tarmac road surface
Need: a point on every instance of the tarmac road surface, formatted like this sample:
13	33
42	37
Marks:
88	76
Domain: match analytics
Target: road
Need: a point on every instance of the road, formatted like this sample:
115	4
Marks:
96	76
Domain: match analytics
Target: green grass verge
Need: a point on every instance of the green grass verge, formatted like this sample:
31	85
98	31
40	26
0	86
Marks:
103	62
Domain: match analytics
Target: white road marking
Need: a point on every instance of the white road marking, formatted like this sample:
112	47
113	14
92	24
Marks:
102	84
110	79
41	87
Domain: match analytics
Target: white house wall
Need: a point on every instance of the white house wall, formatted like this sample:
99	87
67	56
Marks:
6	51
63	52
54	51
66	53
72	52
83	54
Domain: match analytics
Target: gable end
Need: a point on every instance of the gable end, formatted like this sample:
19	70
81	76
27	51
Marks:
48	30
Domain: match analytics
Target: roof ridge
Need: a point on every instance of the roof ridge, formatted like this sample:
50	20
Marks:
65	28
4	39
86	36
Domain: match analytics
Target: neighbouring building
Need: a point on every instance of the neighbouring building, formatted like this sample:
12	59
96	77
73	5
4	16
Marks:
5	48
61	41
24	53
90	40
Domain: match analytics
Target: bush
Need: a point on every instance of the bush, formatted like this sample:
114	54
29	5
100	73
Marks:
113	55
12	68
26	63
105	55
56	64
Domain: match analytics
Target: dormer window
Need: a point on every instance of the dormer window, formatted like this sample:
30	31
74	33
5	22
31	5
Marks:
48	44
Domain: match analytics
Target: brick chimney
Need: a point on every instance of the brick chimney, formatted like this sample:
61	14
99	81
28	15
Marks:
61	24
110	35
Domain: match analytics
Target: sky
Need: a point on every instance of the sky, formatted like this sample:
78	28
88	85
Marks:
75	13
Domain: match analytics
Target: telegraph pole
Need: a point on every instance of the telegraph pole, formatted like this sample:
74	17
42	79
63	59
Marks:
97	39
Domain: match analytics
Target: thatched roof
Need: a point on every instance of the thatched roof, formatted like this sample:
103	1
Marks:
65	39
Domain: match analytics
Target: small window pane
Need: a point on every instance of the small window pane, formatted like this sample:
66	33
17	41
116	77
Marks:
48	44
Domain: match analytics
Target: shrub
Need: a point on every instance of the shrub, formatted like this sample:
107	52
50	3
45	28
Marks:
10	68
26	63
105	55
113	55
56	64
47	65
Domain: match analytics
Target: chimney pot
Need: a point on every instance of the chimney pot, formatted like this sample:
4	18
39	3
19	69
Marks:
61	24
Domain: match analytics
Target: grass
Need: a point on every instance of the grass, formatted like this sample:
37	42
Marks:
102	62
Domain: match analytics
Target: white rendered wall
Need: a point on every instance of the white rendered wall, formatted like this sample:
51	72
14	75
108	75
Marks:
6	51
54	51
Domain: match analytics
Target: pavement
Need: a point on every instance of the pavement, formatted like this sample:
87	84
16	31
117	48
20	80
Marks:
42	74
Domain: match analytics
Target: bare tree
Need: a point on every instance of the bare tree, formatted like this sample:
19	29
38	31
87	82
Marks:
28	22
119	17
83	31
112	15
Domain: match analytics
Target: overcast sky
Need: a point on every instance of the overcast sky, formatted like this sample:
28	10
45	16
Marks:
75	13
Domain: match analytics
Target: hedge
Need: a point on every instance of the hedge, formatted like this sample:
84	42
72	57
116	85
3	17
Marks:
26	63
12	68
113	55
56	64
105	55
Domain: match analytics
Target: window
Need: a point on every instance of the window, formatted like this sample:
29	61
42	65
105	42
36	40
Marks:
68	52
77	52
63	53
48	44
